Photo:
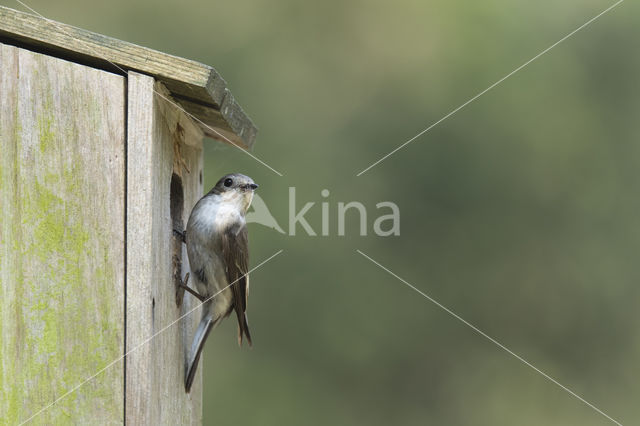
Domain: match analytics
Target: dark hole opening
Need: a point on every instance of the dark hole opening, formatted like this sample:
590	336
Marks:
176	202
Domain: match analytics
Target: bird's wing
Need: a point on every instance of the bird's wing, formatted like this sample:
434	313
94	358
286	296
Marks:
235	250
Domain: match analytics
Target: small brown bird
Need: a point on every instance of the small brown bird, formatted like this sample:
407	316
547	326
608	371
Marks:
218	250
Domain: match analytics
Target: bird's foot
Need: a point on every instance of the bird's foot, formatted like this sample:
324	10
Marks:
190	290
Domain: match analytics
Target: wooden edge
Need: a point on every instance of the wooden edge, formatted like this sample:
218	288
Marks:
223	125
189	82
155	371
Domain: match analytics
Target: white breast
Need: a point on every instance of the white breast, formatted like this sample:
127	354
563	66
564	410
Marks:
212	215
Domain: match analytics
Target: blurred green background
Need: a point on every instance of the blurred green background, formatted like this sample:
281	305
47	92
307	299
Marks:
520	212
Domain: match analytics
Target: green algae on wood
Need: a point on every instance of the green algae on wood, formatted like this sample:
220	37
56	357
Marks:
62	234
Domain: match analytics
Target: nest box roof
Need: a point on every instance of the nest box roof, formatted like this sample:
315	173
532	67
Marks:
199	88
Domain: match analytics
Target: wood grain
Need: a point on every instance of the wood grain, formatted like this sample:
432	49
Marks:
155	371
228	127
61	239
188	81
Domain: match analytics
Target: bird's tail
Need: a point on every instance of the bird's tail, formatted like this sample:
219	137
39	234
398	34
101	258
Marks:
205	326
243	327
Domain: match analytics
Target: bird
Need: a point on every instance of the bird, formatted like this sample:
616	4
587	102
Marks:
218	250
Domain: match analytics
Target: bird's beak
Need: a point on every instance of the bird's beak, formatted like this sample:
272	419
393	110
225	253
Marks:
251	186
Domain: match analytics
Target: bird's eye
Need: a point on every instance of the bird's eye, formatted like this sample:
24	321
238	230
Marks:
228	182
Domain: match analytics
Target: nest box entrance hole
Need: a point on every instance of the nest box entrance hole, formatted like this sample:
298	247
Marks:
176	202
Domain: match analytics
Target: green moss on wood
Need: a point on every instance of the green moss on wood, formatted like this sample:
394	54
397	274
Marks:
45	133
61	303
59	241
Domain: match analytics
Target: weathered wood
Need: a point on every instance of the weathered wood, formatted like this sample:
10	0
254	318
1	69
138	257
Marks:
228	127
188	81
155	372
193	134
61	239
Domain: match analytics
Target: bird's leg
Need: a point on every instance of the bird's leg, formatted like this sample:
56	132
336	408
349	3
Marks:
181	234
193	292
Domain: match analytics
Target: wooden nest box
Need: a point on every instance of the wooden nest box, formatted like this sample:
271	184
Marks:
100	158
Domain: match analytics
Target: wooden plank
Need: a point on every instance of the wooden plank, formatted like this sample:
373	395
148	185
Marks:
61	239
155	372
187	80
176	119
229	128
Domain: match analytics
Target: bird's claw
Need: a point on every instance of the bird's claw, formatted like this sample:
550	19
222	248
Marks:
191	291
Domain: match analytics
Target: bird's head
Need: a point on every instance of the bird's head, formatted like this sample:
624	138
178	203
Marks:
236	188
